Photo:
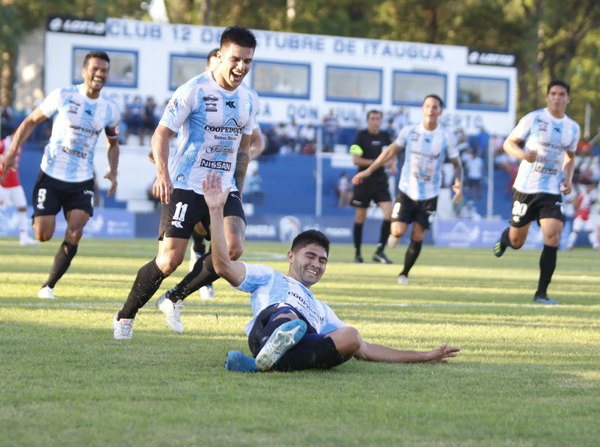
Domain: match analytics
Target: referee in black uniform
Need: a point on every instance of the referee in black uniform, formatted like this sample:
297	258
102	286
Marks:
367	146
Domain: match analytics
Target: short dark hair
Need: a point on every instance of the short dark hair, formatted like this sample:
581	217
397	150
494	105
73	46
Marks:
434	96
98	54
212	54
374	111
238	35
560	83
310	237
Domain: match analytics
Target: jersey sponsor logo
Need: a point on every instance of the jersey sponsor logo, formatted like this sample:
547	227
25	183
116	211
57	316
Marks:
230	104
420	176
555	145
235	129
87	130
220	149
74	153
542	125
415	136
425	155
217	165
210	98
210	107
88	192
544	170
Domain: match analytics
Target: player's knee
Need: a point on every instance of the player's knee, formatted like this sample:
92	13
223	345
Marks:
74	235
517	243
168	264
347	341
43	236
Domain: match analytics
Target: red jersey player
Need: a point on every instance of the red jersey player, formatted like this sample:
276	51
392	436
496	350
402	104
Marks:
582	220
11	193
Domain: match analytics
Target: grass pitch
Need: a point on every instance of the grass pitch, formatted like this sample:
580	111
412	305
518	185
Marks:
528	375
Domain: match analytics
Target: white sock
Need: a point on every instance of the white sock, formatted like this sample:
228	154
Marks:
593	238
572	239
22	223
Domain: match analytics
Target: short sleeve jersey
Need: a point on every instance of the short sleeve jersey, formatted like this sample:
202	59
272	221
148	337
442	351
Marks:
551	137
421	175
69	155
372	146
210	121
267	287
11	179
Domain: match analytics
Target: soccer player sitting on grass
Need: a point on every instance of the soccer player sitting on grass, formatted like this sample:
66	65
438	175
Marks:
292	330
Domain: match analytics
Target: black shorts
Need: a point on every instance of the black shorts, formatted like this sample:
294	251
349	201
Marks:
408	210
50	194
366	191
186	208
529	207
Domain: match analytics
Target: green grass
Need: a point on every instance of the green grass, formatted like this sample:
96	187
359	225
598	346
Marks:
528	375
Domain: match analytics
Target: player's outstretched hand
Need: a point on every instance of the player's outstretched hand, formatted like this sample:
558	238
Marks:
214	196
442	353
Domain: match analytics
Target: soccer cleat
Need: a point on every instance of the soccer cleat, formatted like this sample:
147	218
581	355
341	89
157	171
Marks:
543	299
392	241
26	240
47	293
499	248
402	280
236	361
172	311
123	328
281	340
382	258
359	259
207	292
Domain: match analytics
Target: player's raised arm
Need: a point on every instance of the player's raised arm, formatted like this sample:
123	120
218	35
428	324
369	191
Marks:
233	272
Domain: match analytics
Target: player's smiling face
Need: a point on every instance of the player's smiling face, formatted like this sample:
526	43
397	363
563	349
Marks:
308	264
432	109
95	74
234	64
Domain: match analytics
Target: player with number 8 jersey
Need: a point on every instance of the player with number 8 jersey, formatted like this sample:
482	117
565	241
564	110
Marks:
66	179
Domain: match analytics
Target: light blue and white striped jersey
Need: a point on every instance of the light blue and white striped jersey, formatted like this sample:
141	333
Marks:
268	287
69	155
210	121
421	175
551	137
